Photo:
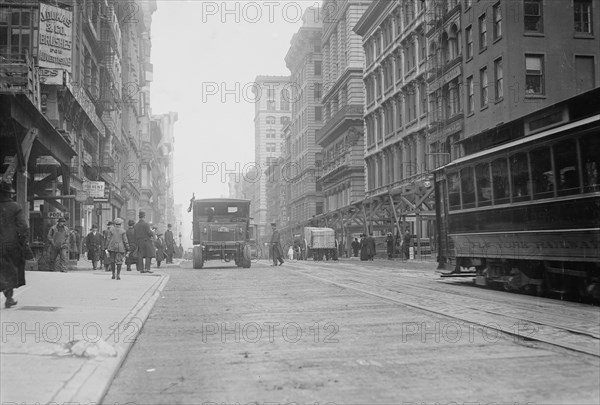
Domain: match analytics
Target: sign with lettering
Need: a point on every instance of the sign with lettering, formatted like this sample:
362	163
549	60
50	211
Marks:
52	76
55	215
55	37
94	189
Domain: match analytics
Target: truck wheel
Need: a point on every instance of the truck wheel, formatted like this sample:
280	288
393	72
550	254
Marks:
198	258
246	258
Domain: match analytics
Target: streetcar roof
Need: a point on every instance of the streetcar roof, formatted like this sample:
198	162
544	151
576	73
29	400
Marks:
528	139
221	201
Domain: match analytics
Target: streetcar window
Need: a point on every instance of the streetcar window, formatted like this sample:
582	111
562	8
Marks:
484	186
566	172
500	181
590	155
541	173
453	191
467	185
520	177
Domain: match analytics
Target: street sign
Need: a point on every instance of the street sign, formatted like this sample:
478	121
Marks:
81	196
94	188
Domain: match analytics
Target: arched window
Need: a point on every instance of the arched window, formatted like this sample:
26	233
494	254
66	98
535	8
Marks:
445	48
453	42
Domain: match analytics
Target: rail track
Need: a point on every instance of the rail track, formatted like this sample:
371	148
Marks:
568	325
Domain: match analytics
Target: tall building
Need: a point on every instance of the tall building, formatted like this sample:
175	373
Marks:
272	97
75	96
305	62
342	94
165	160
439	72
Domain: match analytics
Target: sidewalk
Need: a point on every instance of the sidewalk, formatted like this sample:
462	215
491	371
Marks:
70	332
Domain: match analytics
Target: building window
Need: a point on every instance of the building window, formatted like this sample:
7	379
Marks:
584	73
423	48
583	16
318	67
270	120
16	28
533	16
483	83
318	113
318	92
497	10
423	97
284	120
271	147
534	76
271	105
498	79
270	133
482	32
469	35
470	96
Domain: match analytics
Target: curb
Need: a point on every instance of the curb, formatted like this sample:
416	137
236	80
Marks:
91	382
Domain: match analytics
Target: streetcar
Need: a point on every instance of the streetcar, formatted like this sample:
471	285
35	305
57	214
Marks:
222	231
521	211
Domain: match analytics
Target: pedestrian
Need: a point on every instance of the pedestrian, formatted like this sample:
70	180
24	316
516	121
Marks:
14	238
58	236
93	244
159	244
406	245
364	251
118	246
276	245
143	240
74	243
170	244
131	257
389	241
105	236
355	247
291	253
371	248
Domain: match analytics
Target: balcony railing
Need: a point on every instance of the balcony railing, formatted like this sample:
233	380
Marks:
352	111
20	77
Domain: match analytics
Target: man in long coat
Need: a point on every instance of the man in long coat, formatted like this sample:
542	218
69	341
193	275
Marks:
370	240
58	237
132	256
170	244
14	235
276	246
93	244
143	238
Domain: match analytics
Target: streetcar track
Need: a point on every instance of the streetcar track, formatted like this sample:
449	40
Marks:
546	333
477	306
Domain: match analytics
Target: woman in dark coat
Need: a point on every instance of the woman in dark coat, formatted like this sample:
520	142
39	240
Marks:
364	248
14	235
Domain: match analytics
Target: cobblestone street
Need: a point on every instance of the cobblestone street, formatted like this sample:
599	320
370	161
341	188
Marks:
265	334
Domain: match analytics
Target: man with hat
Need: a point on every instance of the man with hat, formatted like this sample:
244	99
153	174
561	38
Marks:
58	236
131	257
144	237
14	236
170	244
93	244
276	246
389	241
105	236
117	247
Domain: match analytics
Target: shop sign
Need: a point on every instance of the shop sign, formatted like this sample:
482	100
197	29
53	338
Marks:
81	196
55	215
55	37
52	76
94	189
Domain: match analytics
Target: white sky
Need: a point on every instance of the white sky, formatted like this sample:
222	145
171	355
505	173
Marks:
195	45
